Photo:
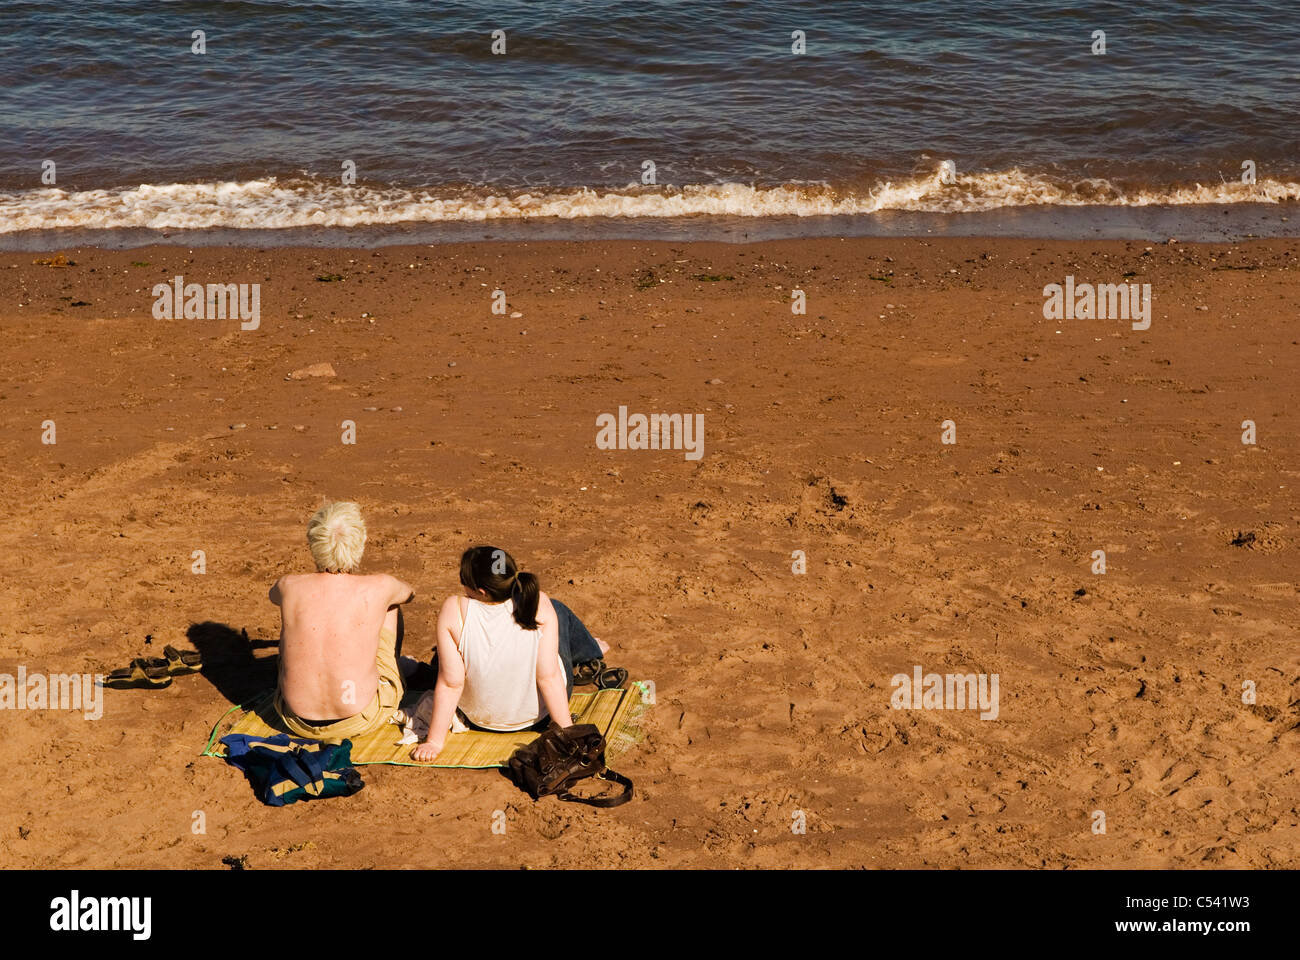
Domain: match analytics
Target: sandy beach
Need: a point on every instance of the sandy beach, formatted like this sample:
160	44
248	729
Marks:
1120	692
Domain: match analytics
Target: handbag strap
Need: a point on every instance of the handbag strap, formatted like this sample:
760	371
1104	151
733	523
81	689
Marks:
615	800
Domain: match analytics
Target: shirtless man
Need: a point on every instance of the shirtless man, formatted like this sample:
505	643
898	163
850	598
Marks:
339	635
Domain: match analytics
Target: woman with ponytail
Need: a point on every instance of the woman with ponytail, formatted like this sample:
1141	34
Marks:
505	652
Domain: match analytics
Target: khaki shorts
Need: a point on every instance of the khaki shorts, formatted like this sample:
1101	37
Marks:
375	715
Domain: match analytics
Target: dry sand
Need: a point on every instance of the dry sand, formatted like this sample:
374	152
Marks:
1119	693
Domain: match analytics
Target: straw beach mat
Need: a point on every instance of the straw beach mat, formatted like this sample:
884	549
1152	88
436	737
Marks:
615	713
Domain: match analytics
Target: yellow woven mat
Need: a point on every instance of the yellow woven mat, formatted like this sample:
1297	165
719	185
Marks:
616	713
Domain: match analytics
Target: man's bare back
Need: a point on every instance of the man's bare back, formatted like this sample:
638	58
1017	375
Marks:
329	636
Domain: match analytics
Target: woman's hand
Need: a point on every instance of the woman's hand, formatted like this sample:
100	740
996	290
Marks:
427	752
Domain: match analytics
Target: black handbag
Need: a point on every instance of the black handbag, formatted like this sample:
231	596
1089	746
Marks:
562	757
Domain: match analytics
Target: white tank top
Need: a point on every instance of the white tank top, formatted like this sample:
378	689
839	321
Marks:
500	668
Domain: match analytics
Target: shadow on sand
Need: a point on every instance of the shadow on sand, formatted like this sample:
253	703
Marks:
229	663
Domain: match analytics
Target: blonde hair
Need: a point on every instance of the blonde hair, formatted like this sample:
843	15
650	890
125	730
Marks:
336	535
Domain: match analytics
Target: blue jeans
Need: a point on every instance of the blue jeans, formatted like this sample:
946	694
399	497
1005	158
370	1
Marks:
577	645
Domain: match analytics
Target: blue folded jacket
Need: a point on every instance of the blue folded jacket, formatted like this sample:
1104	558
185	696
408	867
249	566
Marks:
285	770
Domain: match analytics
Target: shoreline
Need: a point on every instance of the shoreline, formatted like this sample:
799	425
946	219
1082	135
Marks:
1208	223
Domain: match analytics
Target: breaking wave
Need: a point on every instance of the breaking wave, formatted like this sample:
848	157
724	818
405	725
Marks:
271	203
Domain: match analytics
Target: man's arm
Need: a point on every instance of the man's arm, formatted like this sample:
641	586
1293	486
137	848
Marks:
401	593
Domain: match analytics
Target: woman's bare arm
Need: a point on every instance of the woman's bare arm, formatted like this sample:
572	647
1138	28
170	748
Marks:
451	681
550	676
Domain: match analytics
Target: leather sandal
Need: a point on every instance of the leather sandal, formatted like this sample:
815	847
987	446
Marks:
142	674
595	671
182	662
611	678
588	671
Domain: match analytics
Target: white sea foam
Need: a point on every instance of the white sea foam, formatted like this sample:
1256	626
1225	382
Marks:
269	204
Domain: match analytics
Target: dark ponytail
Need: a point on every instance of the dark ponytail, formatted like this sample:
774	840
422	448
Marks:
526	593
495	572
